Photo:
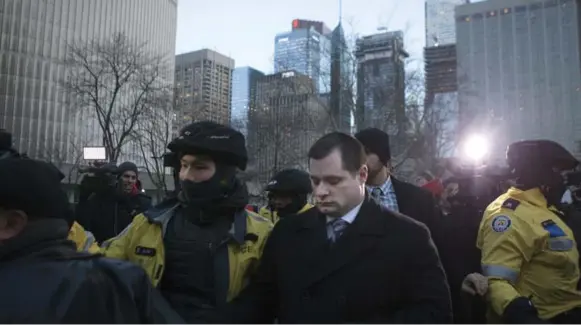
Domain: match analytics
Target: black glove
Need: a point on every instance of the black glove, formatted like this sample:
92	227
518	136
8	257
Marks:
521	311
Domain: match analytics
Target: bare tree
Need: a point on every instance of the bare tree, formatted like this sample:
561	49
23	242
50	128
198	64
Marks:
67	159
153	133
431	131
286	120
114	82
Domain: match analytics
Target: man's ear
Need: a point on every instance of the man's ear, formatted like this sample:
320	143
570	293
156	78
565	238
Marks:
12	223
389	166
362	174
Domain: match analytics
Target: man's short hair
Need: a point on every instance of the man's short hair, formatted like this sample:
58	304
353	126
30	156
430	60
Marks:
351	150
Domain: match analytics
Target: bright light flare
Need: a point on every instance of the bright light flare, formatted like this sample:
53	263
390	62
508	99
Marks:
475	147
94	153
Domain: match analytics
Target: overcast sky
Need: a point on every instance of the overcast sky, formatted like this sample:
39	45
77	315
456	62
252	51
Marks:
245	30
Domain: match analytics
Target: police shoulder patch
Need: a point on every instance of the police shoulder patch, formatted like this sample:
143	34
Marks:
501	223
511	204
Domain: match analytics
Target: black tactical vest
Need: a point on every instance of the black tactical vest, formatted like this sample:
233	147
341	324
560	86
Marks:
188	281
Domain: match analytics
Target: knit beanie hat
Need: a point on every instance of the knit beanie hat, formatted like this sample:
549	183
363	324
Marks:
127	166
375	141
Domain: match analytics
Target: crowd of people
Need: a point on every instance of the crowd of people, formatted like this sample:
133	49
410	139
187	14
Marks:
345	242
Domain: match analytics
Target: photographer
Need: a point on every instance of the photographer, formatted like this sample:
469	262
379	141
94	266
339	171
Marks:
106	212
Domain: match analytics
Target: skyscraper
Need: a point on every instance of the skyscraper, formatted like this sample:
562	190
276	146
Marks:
381	81
440	27
203	87
441	98
342	82
519	71
305	49
243	96
35	36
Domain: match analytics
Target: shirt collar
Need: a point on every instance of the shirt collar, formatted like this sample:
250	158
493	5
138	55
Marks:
349	216
386	187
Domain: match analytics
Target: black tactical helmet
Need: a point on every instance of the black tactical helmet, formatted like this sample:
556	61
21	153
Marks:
290	180
543	154
216	140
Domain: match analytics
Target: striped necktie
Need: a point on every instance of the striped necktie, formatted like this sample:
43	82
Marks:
337	226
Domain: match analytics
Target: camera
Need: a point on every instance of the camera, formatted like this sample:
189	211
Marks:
97	179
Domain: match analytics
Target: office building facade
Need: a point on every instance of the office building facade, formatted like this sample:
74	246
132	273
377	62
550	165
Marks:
519	71
34	39
305	49
381	82
244	81
203	87
341	103
441	98
440	26
440	70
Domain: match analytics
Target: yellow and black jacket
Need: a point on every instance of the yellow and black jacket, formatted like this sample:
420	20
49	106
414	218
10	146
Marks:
84	239
142	243
529	251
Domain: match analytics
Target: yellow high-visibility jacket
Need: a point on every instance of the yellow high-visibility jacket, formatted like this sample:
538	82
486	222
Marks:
528	251
142	243
84	239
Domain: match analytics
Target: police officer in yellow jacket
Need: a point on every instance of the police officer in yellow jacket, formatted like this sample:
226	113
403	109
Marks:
83	239
200	248
288	193
529	253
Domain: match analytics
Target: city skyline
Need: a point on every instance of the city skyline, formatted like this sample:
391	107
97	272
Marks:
257	24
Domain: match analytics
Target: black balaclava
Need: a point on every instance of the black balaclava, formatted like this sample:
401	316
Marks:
203	200
298	201
550	182
554	188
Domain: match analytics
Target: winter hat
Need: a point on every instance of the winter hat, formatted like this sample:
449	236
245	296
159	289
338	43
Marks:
33	187
375	141
127	166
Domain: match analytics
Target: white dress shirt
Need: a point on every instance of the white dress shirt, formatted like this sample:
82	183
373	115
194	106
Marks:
349	217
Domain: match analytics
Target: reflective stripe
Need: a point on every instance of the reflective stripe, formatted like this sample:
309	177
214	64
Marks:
561	244
89	242
499	271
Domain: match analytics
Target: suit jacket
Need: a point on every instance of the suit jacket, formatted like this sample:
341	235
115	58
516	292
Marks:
383	269
417	203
